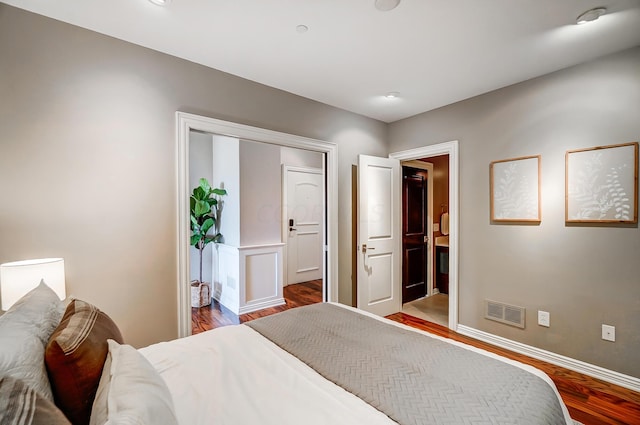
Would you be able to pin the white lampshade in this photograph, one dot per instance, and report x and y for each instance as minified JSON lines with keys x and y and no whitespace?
{"x":19,"y":277}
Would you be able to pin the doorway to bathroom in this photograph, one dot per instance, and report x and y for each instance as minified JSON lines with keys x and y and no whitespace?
{"x":417,"y":206}
{"x":425,"y":238}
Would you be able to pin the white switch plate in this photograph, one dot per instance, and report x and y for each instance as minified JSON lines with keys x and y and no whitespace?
{"x":609,"y":333}
{"x":436,"y":227}
{"x":544,"y":318}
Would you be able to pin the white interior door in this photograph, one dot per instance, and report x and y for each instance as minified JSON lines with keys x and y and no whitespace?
{"x":379,"y":239}
{"x":304,"y":218}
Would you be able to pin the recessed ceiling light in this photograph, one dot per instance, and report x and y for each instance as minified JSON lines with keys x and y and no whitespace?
{"x":590,"y":15}
{"x":302,"y":28}
{"x":392,"y":95}
{"x":386,"y":5}
{"x":160,"y":2}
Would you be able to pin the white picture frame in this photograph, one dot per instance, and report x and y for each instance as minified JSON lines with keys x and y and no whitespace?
{"x":515,"y":190}
{"x":601,"y":184}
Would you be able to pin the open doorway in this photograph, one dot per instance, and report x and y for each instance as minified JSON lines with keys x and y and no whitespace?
{"x":187,"y":125}
{"x":258,"y":253}
{"x":417,"y":223}
{"x":425,"y":239}
{"x":448,"y":152}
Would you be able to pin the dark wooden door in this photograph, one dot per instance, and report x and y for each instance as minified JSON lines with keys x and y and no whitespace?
{"x":414,"y":233}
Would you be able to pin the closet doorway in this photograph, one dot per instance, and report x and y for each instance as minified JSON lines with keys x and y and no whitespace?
{"x":187,"y":124}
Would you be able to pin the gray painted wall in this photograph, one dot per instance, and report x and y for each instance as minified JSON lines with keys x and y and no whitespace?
{"x":88,"y":160}
{"x":226,"y":175}
{"x":584,"y":276}
{"x":260,"y":194}
{"x":200,"y":166}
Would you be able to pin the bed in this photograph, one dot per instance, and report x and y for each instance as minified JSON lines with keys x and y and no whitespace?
{"x":319,"y":364}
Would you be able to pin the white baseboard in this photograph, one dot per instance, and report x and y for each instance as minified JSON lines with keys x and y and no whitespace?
{"x":255,"y":306}
{"x":598,"y":372}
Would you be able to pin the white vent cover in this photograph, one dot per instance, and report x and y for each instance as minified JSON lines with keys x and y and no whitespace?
{"x":504,"y":313}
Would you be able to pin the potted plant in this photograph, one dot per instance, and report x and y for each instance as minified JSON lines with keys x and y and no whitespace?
{"x":205,"y":208}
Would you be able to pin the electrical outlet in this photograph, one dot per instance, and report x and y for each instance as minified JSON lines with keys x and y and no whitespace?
{"x":609,"y":333}
{"x":544,"y":318}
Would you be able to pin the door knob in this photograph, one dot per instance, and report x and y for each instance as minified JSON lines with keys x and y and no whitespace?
{"x":364,"y":248}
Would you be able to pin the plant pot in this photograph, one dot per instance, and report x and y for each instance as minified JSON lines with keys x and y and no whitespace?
{"x":200,"y":294}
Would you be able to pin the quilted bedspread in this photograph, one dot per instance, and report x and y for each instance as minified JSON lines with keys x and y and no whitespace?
{"x":411,"y":377}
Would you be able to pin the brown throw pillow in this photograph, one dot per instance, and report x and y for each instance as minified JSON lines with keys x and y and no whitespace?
{"x":75,"y":356}
{"x":20,"y":404}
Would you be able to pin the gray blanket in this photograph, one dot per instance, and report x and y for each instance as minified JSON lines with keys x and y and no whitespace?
{"x":412,"y":378}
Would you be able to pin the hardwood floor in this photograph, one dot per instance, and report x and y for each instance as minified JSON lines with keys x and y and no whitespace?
{"x":590,"y":401}
{"x":217,"y":315}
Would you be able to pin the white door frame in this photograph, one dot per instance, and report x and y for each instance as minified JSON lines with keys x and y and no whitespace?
{"x":451,"y":149}
{"x":429,"y":168}
{"x":186,"y":122}
{"x":285,"y":215}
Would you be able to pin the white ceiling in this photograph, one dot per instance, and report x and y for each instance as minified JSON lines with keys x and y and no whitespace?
{"x":433,"y":52}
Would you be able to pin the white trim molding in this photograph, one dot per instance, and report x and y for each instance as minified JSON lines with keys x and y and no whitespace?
{"x":185,"y":123}
{"x":598,"y":372}
{"x":451,"y":149}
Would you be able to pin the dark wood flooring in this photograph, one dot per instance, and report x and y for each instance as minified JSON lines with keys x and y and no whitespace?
{"x":590,"y":401}
{"x":217,"y":315}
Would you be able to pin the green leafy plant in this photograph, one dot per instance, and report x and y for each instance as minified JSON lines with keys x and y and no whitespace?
{"x":205,"y":203}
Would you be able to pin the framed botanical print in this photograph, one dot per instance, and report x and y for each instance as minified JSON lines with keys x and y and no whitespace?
{"x":601,"y":184}
{"x":515,"y":190}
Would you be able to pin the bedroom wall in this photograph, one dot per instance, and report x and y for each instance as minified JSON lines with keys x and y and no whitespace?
{"x":300,"y":157}
{"x":260,"y":194}
{"x":584,"y":276}
{"x":200,"y":166}
{"x":88,"y":160}
{"x":226,"y":175}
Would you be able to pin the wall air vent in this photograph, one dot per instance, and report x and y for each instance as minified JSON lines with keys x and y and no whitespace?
{"x":504,"y":313}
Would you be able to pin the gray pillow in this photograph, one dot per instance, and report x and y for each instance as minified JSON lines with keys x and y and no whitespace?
{"x":22,"y":405}
{"x":24,"y":331}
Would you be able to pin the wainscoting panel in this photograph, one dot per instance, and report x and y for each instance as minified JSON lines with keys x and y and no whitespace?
{"x":248,"y":278}
{"x":261,"y":272}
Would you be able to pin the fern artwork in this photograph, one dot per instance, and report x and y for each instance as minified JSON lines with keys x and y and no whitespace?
{"x":515,"y":190}
{"x":601,"y":184}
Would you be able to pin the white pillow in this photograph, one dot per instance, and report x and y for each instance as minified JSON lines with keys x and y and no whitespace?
{"x":134,"y":391}
{"x":24,"y":331}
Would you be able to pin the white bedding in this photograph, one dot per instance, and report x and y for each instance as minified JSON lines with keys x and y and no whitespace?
{"x":233,"y":375}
